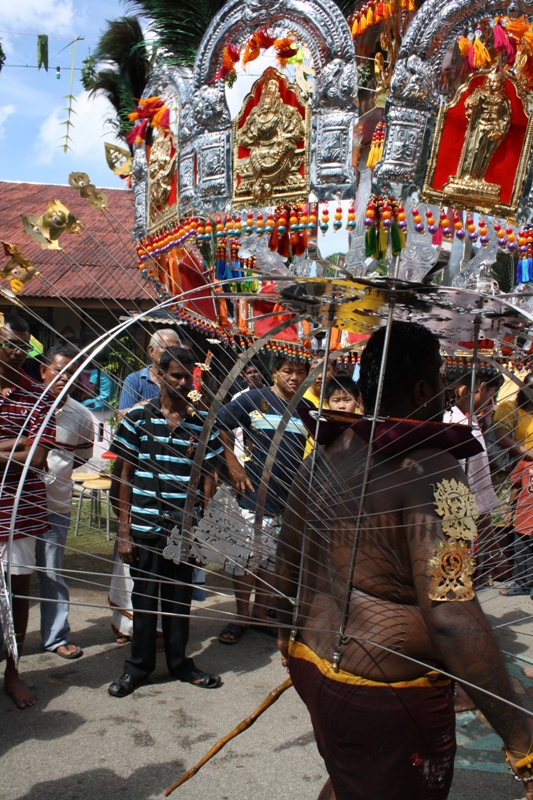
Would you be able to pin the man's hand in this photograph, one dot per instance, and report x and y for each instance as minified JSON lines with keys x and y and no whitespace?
{"x":239,"y":478}
{"x":283,"y":647}
{"x":126,"y":546}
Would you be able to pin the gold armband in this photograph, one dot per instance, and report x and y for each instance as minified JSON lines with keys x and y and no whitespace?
{"x":452,"y":562}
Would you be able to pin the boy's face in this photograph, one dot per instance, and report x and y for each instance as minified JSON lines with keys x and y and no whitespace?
{"x":342,"y":401}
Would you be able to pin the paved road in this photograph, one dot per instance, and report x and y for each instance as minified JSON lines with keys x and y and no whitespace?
{"x":77,"y":743}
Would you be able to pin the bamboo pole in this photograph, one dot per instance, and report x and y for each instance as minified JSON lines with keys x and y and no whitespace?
{"x":269,"y":700}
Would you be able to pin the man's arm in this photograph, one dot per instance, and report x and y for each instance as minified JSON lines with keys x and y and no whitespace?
{"x":125,"y":547}
{"x":236,"y":471}
{"x":506,"y":441}
{"x":459,"y":629}
{"x":17,"y":459}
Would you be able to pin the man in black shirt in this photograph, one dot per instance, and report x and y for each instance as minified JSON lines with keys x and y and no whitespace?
{"x":157,"y":443}
{"x":259,"y":414}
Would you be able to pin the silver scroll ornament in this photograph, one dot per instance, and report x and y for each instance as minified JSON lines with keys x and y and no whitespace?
{"x":356,"y":261}
{"x":419,"y":255}
{"x":470,"y":276}
{"x":223,"y":536}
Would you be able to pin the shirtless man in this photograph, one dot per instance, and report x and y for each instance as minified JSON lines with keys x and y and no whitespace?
{"x":384,"y":720}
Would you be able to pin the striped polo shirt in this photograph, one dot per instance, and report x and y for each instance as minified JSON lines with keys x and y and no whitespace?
{"x":174,"y":452}
{"x":23,"y":404}
{"x":259,"y":413}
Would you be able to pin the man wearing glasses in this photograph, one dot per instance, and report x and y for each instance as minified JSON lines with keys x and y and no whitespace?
{"x":22,"y":411}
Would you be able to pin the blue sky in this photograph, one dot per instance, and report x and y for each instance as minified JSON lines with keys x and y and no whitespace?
{"x":32,"y":101}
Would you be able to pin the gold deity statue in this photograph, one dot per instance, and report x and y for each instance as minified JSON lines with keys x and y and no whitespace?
{"x":488,"y":111}
{"x":161,"y":171}
{"x":275,"y":134}
{"x":488,"y":114}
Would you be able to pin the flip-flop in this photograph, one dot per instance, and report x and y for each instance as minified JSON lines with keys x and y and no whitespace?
{"x":513,"y":591}
{"x":69,"y":656}
{"x":231,"y":629}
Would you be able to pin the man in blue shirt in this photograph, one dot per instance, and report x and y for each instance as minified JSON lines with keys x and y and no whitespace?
{"x":143,"y":385}
{"x":259,"y":413}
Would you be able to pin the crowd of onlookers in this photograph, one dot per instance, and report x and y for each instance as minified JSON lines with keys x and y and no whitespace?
{"x":46,"y":434}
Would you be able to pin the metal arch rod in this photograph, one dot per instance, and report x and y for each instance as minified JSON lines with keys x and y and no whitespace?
{"x":216,"y":403}
{"x":90,"y":350}
{"x":358,"y":521}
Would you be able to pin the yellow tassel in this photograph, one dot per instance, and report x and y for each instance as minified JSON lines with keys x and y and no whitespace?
{"x":481,"y":54}
{"x":362,"y":25}
{"x":389,"y":8}
{"x":369,"y":17}
{"x":371,"y":160}
{"x":464,"y":46}
{"x":355,"y":28}
{"x":411,"y":6}
{"x":379,"y":151}
{"x":401,"y":235}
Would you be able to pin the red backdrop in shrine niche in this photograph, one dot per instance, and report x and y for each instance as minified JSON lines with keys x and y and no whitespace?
{"x":504,"y":163}
{"x":288,"y":97}
{"x":263,"y":326}
{"x":186,"y":275}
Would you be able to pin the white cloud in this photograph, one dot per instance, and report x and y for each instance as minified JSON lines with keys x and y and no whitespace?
{"x":56,"y":18}
{"x":88,"y":132}
{"x":5,"y":112}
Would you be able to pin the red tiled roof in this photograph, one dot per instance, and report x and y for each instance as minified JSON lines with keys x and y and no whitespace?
{"x":98,"y":263}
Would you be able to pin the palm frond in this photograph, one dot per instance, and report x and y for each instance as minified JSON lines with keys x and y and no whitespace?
{"x":346,"y":6}
{"x":179,"y":25}
{"x":123,"y":44}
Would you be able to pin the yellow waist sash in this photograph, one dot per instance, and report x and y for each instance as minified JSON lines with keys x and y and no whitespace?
{"x":300,"y":650}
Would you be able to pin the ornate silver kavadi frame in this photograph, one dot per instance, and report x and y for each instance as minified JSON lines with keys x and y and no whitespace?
{"x":414,"y":96}
{"x":204,"y":131}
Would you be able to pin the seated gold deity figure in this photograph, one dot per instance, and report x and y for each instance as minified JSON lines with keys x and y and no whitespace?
{"x":161,"y":170}
{"x":274,"y":133}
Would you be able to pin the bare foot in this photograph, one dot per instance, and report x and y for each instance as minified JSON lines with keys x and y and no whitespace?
{"x":461,"y":701}
{"x":20,"y":694}
{"x":69,"y":651}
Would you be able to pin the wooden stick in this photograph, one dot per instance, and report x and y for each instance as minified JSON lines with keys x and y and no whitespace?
{"x":242,"y":726}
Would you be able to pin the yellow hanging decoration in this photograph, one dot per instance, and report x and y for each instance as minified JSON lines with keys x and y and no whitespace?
{"x":464,"y":46}
{"x":355,"y":27}
{"x":481,"y":54}
{"x":369,"y":17}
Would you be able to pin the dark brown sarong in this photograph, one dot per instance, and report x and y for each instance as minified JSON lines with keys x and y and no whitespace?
{"x":380,"y":741}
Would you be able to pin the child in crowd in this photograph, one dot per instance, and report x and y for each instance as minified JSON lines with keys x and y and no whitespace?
{"x":342,"y":394}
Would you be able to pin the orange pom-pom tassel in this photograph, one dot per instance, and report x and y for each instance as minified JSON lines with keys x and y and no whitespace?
{"x":464,"y":46}
{"x":481,"y":54}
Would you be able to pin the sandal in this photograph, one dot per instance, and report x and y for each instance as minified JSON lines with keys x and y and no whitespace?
{"x":232,"y":630}
{"x":513,"y":590}
{"x":204,"y":680}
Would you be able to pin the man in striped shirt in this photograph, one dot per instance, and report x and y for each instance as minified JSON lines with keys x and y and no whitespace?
{"x":23,"y":414}
{"x":156,"y":444}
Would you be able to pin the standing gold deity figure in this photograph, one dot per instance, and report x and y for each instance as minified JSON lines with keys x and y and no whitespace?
{"x":273,"y":137}
{"x":488,"y":111}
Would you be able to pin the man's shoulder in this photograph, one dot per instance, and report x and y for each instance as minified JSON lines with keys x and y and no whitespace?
{"x":78,"y":409}
{"x":137,"y":376}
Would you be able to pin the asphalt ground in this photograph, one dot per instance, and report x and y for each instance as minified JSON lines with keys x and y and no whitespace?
{"x":78,"y":743}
